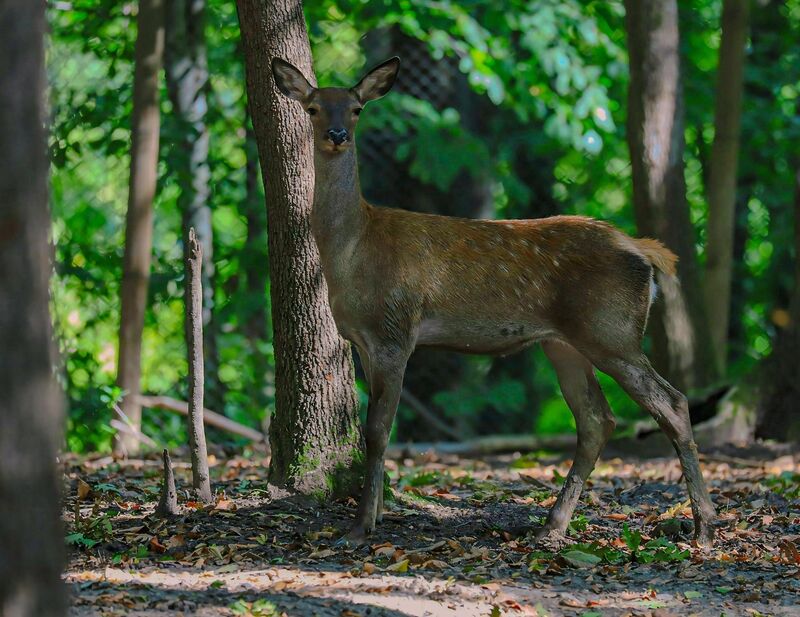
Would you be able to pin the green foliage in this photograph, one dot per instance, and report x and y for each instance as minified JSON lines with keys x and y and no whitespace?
{"x":550,"y":80}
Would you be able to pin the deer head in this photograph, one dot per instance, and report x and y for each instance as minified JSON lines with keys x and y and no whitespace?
{"x":334,"y":111}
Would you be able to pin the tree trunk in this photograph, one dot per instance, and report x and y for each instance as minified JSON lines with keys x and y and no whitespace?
{"x":194,"y":351}
{"x":186,"y":70}
{"x":315,"y":432}
{"x":722,"y":180}
{"x":656,"y":142}
{"x":139,"y":220}
{"x":31,"y":537}
{"x":779,"y":409}
{"x":256,"y":272}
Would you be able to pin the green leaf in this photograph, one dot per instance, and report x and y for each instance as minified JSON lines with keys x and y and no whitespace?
{"x":580,"y":559}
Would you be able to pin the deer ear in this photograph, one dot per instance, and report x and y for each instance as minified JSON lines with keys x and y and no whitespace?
{"x":290,"y":80}
{"x":378,"y":81}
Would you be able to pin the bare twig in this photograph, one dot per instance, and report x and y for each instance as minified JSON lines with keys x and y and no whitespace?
{"x":168,"y":504}
{"x":125,"y":425}
{"x":194,"y":345}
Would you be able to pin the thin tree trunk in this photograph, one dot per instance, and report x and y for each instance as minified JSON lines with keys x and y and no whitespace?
{"x":139,"y":220}
{"x":779,"y":409}
{"x":722,"y":180}
{"x":656,"y":142}
{"x":186,"y":70}
{"x":31,"y":538}
{"x":315,"y":434}
{"x":194,"y":348}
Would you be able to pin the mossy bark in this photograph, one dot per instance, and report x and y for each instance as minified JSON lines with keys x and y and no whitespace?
{"x":315,"y":430}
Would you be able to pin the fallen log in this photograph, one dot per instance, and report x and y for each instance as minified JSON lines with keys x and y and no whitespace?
{"x":491,"y":444}
{"x":210,"y":418}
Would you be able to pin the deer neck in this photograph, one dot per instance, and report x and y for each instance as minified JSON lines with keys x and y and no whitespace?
{"x":338,"y":213}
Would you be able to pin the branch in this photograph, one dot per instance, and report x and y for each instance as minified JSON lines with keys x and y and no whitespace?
{"x":210,"y":418}
{"x":492,"y":444}
{"x":418,"y":406}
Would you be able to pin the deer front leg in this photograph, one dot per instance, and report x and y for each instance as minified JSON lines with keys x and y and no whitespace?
{"x":387,"y":368}
{"x":594,"y":423}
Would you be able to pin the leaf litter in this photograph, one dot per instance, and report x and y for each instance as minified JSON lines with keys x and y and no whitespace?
{"x":449,"y":543}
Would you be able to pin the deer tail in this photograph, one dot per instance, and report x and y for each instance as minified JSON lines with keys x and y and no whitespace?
{"x":657,"y":254}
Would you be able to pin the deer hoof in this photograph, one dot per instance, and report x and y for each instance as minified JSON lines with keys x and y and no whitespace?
{"x":355,"y":538}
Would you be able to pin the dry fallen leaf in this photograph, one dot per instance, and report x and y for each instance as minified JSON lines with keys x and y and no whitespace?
{"x":84,"y":490}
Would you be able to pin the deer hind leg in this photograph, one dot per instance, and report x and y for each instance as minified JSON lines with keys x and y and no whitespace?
{"x":671,"y":410}
{"x":386,"y":370}
{"x":594,"y":423}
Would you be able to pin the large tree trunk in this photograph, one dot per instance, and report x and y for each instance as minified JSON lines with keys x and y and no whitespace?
{"x":187,"y":80}
{"x":656,"y":142}
{"x":779,"y":409}
{"x":315,"y":431}
{"x":139,"y":221}
{"x":31,"y":538}
{"x":254,"y":265}
{"x":722,"y":180}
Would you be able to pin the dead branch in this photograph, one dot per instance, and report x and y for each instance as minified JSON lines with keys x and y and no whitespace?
{"x":168,"y":504}
{"x":194,"y":346}
{"x":492,"y":444}
{"x":210,"y":418}
{"x":419,"y":407}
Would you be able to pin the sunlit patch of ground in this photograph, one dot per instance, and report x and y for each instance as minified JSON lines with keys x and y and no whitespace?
{"x":447,"y":544}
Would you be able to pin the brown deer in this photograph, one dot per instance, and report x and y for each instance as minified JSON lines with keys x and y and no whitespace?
{"x":398,"y":280}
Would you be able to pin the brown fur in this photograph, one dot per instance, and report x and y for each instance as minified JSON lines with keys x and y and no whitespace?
{"x":658,"y":255}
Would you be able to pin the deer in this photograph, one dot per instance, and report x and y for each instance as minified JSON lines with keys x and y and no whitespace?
{"x":398,"y":280}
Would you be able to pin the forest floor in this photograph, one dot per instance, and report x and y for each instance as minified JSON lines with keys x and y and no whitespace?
{"x":446,"y":545}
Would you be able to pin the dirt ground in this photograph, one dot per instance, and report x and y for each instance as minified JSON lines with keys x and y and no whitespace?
{"x":448,"y":544}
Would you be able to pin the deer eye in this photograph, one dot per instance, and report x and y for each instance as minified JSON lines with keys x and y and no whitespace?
{"x":357,"y":111}
{"x":312,"y":111}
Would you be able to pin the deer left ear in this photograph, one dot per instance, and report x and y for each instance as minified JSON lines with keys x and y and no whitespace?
{"x":290,"y":81}
{"x":378,"y":81}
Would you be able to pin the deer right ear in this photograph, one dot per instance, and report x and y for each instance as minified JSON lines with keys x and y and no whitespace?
{"x":290,"y":80}
{"x":378,"y":81}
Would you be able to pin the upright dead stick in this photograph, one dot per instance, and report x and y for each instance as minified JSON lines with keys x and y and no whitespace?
{"x":168,"y":504}
{"x":194,"y":347}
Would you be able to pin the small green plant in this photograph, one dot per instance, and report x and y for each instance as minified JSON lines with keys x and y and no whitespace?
{"x":259,"y":608}
{"x":578,"y":524}
{"x":91,"y":531}
{"x":786,"y":484}
{"x":657,"y":550}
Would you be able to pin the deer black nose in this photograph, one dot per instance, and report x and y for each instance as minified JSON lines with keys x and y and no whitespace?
{"x":337,"y":136}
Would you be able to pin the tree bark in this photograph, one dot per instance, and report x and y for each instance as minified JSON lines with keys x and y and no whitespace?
{"x":168,"y":502}
{"x":31,"y":538}
{"x":194,"y":349}
{"x":656,"y":141}
{"x":139,"y":220}
{"x":722,"y":179}
{"x":186,"y":70}
{"x":315,"y":434}
{"x":256,"y":271}
{"x":779,"y":408}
